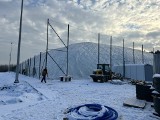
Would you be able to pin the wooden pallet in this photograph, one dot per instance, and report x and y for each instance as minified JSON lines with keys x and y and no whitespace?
{"x":133,"y":102}
{"x":65,"y":119}
{"x":65,"y":78}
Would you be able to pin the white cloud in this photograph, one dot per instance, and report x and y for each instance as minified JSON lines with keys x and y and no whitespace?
{"x":134,"y":20}
{"x":5,"y":0}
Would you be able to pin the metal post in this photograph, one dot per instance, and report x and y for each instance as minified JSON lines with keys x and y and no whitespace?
{"x":33,"y":69}
{"x":133,"y":54}
{"x":123,"y":61}
{"x":10,"y":56}
{"x":40,"y":65}
{"x":153,"y":62}
{"x":34,"y":62}
{"x":111,"y":52}
{"x":22,"y":67}
{"x":98,"y":46}
{"x":142,"y":55}
{"x":30,"y":62}
{"x":19,"y":44}
{"x":47,"y":43}
{"x":67,"y":49}
{"x":25,"y":67}
{"x":28,"y":67}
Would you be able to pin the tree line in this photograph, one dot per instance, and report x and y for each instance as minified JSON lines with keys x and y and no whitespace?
{"x":5,"y":68}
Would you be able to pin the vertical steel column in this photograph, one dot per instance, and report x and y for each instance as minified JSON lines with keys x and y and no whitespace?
{"x":34,"y":69}
{"x":30,"y":63}
{"x":67,"y":49}
{"x":98,"y":46}
{"x":19,"y":44}
{"x":123,"y":61}
{"x":142,"y":55}
{"x":10,"y":56}
{"x":153,"y":61}
{"x":28,"y":67}
{"x":22,"y":67}
{"x":34,"y":62}
{"x":111,"y":52}
{"x":40,"y":65}
{"x":47,"y":44}
{"x":133,"y":54}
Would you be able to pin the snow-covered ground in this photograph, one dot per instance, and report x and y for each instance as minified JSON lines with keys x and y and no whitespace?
{"x":32,"y":100}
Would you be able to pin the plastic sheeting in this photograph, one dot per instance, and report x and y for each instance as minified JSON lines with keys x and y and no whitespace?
{"x":136,"y":71}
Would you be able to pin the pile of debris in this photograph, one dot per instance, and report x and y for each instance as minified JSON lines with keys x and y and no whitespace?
{"x":149,"y":92}
{"x":134,"y":82}
{"x":156,"y":94}
{"x":144,"y":91}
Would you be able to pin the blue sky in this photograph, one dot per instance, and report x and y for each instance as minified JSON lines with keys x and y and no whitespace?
{"x":133,"y":20}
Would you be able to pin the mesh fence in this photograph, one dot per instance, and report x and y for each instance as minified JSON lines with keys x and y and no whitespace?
{"x":83,"y":51}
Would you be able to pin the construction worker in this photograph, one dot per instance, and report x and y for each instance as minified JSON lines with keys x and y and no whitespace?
{"x":44,"y":73}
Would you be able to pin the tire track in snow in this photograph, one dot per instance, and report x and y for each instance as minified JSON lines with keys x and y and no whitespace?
{"x":46,"y":92}
{"x":40,"y":93}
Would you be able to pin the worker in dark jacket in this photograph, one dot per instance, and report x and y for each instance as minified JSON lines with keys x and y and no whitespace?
{"x":44,"y":73}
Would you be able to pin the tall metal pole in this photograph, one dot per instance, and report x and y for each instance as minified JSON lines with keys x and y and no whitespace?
{"x":111,"y":52}
{"x":19,"y":44}
{"x":34,"y":62}
{"x":98,"y":46}
{"x":67,"y":49}
{"x":47,"y":44}
{"x":30,"y":62}
{"x":39,"y":65}
{"x":142,"y":55}
{"x":22,"y":68}
{"x":123,"y":61}
{"x":133,"y":54}
{"x":153,"y":62}
{"x":28,"y":67}
{"x":10,"y":56}
{"x":25,"y":67}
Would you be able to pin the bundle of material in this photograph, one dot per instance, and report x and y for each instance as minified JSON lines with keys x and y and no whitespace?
{"x":156,"y":93}
{"x":92,"y":112}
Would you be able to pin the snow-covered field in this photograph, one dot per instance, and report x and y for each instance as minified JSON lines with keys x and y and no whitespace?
{"x":32,"y":100}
